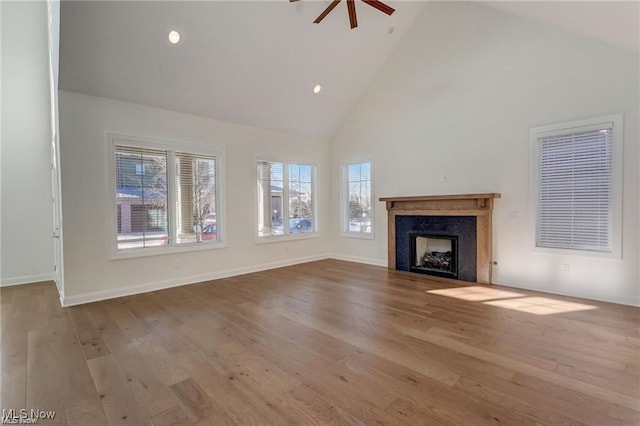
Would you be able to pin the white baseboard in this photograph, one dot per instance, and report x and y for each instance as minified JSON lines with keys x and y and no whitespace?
{"x":143,"y":288}
{"x":358,"y":259}
{"x":619,"y":301}
{"x":176,"y":282}
{"x":27,"y":279}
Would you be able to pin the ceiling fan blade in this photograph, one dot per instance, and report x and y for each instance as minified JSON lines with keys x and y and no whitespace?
{"x":351,"y":6}
{"x":291,"y":1}
{"x":380,"y":6}
{"x":329,"y":8}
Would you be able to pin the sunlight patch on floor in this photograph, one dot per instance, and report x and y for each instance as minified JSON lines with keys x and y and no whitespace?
{"x":512,"y":300}
{"x":540,"y":305}
{"x":475,"y":293}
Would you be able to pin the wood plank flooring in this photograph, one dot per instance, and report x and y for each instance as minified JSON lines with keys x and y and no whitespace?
{"x":326,"y":342}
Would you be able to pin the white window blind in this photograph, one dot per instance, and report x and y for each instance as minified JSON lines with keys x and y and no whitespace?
{"x":164,"y":196}
{"x":141,"y":197}
{"x":357,"y":202}
{"x":285,"y":198}
{"x":196,"y":218}
{"x":575,"y":183}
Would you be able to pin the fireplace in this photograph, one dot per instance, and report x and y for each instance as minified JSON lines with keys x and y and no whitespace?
{"x":434,"y":255}
{"x":465,"y":216}
{"x":440,"y":234}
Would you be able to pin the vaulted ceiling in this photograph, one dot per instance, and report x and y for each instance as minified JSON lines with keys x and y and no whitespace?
{"x":256,"y":62}
{"x":249,"y":62}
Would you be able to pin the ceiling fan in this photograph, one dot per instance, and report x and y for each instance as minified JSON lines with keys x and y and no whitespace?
{"x":351,"y":7}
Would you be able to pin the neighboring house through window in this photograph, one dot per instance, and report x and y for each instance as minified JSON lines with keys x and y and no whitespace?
{"x":286,"y":203}
{"x":166,"y":195}
{"x":577,"y":185}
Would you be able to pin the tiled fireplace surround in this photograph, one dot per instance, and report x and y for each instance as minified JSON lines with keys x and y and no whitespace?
{"x":468,"y":216}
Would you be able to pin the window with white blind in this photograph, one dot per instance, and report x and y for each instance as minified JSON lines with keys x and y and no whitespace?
{"x":577,"y":185}
{"x":357,"y":199}
{"x":286,"y":199}
{"x":141,"y":197}
{"x":195,"y":198}
{"x":166,"y":195}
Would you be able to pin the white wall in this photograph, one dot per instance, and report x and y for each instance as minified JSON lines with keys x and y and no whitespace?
{"x":26,"y":213}
{"x":86,"y":191}
{"x":457,"y":98}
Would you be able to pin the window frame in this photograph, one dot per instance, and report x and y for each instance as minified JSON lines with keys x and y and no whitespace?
{"x":344,"y":202}
{"x":171,"y":147}
{"x":616,"y":121}
{"x":286,"y":236}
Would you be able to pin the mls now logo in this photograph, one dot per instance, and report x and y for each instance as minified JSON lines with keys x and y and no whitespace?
{"x":24,"y":416}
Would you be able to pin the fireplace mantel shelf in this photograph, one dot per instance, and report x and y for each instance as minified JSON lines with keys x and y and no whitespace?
{"x":443,"y":197}
{"x":448,"y":204}
{"x":478,"y":205}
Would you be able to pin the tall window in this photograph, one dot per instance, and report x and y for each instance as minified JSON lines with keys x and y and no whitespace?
{"x":141,"y":197}
{"x":286,"y":202}
{"x":164,"y":197}
{"x":196,"y":213}
{"x":576,"y":193}
{"x":358,"y":213}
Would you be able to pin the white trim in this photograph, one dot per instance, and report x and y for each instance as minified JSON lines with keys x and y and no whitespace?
{"x":358,"y":235}
{"x":300,"y":160}
{"x":344,"y":232}
{"x":28,"y":279}
{"x":358,"y":259}
{"x":53,"y":35}
{"x":586,"y":125}
{"x":160,"y":285}
{"x":171,"y":147}
{"x":596,"y":298}
{"x":166,"y":249}
{"x":128,"y":291}
{"x":150,"y":142}
{"x":614,"y":121}
{"x":286,"y":235}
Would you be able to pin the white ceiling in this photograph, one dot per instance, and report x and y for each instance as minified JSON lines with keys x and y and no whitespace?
{"x":615,"y":22}
{"x":253,"y":63}
{"x":256,"y":62}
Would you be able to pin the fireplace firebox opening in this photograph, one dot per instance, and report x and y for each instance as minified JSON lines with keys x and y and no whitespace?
{"x":434,"y":255}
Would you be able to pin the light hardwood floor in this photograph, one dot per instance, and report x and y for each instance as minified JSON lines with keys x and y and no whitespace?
{"x":327,"y":342}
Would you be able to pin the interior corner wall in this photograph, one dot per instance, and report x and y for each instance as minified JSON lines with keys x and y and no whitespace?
{"x":26,"y":209}
{"x":91,"y":274}
{"x":457,"y":99}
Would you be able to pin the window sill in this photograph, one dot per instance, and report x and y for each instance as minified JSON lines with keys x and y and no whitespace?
{"x":358,"y":235}
{"x":163,"y":250}
{"x":288,"y":237}
{"x":613,"y":255}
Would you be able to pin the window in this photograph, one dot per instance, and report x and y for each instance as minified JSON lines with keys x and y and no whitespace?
{"x":286,"y":204}
{"x":140,"y":169}
{"x":196,"y":213}
{"x":141,"y":198}
{"x":357,"y":211}
{"x":577,"y":183}
{"x":165,"y":197}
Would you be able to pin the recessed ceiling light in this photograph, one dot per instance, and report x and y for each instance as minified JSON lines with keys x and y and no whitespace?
{"x":317,"y":89}
{"x":174,"y":37}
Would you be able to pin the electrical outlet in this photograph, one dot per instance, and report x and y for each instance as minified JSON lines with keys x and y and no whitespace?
{"x":564,"y":268}
{"x":444,"y":178}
